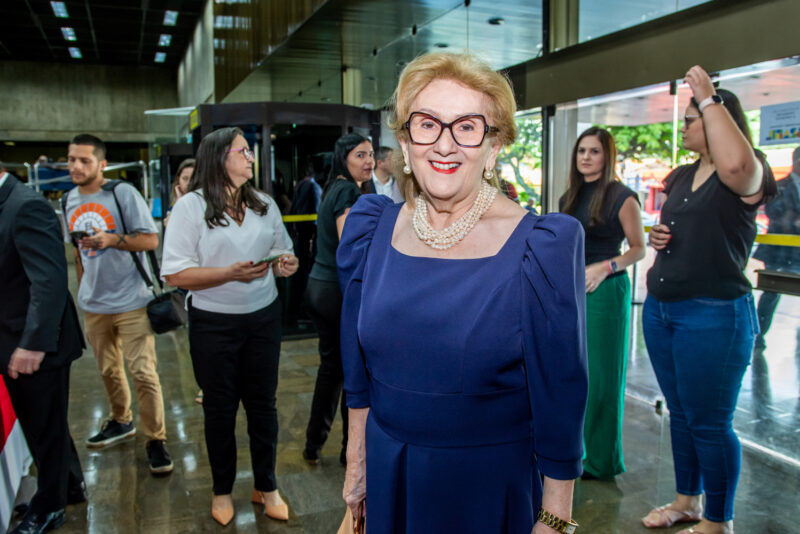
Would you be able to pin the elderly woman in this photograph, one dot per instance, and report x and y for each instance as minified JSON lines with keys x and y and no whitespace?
{"x":463,"y":335}
{"x":226,"y":243}
{"x":699,"y":319}
{"x":609,"y":213}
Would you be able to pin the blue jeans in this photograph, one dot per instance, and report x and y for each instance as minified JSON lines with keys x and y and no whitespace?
{"x":700,"y":350}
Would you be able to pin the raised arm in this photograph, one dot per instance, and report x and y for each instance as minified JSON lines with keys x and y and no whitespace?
{"x":735,"y":161}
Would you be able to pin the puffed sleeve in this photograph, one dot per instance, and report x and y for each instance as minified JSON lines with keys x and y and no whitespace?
{"x":351,"y":260}
{"x":554,"y":342}
{"x":183,"y":235}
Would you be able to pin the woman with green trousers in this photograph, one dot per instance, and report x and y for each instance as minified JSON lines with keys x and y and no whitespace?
{"x":609,"y":213}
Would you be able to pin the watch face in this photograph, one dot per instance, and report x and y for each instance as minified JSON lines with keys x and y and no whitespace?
{"x":717,"y":99}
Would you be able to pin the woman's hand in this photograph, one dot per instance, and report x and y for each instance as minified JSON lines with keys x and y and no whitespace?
{"x":246,"y":271}
{"x":355,"y":486}
{"x":595,"y":274}
{"x":355,"y":478}
{"x":700,"y":83}
{"x":286,"y":265}
{"x":659,"y":236}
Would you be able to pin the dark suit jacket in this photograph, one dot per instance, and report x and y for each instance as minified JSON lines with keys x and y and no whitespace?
{"x":36,"y":309}
{"x":784,"y":218}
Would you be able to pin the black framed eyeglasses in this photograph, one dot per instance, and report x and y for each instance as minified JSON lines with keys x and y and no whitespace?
{"x":468,"y":131}
{"x":246,"y":152}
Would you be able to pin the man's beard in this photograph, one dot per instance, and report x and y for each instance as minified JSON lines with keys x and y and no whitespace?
{"x":85,"y":179}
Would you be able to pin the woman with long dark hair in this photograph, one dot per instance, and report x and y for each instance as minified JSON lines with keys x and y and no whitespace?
{"x":226,"y":244}
{"x":609,"y":213}
{"x":699,"y":319}
{"x":353,"y":160}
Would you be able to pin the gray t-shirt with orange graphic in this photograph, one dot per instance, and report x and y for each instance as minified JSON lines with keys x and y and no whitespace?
{"x":110,"y":283}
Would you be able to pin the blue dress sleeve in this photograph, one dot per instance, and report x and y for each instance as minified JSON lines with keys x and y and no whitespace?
{"x":554,"y":342}
{"x":351,"y":259}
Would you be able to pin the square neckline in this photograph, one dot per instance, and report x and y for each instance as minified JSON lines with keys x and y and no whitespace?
{"x":503,"y":248}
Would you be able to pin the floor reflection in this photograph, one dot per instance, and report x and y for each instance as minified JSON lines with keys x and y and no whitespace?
{"x":125,"y":498}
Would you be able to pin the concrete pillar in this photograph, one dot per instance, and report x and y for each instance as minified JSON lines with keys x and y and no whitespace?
{"x":351,"y":86}
{"x":563,"y":124}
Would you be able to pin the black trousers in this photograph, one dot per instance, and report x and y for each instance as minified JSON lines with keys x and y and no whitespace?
{"x":235,"y":358}
{"x":40,"y":401}
{"x":324,"y":300}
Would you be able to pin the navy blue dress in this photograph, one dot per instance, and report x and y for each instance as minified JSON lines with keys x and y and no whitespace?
{"x":474,"y":371}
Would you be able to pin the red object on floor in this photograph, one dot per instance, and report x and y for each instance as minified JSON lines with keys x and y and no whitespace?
{"x":7,"y":415}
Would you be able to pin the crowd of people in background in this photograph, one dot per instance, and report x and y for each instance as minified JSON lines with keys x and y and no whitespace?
{"x":507,"y":340}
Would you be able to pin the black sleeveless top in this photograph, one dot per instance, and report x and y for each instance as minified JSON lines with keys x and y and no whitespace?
{"x":712,"y":233}
{"x":603,"y":240}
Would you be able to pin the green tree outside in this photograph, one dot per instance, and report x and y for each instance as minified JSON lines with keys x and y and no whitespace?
{"x":525,"y":151}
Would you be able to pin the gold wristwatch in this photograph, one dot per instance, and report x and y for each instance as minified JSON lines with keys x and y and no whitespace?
{"x":565,"y":527}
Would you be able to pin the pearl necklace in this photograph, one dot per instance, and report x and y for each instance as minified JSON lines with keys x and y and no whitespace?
{"x":453,"y":234}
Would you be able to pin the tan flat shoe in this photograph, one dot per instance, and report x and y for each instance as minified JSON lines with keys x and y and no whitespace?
{"x":222,"y":509}
{"x":664,"y":516}
{"x":275,"y":511}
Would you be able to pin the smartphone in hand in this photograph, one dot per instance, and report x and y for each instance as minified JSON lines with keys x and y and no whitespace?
{"x":77,"y":235}
{"x":268,"y":259}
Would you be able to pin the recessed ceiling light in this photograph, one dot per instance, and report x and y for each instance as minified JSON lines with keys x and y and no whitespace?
{"x":161,"y":57}
{"x":69,"y":34}
{"x":170,"y":18}
{"x":496,"y":21}
{"x":59,"y":9}
{"x":75,"y":52}
{"x":165,"y":39}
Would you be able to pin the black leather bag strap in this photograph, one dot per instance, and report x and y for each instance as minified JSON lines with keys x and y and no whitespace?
{"x":111,"y":185}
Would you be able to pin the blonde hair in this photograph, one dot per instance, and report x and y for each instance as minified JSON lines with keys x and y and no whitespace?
{"x":465,"y":69}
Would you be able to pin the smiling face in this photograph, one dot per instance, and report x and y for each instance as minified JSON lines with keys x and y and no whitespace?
{"x":238,"y":166}
{"x":692,"y":132}
{"x":590,"y":158}
{"x":360,"y":162}
{"x":444,"y":170}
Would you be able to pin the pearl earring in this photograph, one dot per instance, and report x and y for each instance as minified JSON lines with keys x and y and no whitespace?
{"x":488,"y":174}
{"x":406,"y":169}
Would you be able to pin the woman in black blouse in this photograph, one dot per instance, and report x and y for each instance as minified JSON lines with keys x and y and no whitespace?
{"x":353,"y":161}
{"x":699,"y":319}
{"x":609,"y":213}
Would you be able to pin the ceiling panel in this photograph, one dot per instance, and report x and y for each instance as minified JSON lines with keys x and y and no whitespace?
{"x":377,"y":38}
{"x":107,"y":31}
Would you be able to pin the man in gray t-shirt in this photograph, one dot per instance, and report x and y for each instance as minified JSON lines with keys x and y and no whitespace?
{"x":114,"y":296}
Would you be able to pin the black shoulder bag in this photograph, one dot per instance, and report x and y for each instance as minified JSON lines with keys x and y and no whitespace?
{"x":166,"y":311}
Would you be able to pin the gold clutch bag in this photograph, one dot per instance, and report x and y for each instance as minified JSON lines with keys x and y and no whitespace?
{"x":350,"y":525}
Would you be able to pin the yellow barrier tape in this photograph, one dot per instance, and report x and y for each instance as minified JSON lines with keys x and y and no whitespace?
{"x":299,"y":218}
{"x":781,"y":240}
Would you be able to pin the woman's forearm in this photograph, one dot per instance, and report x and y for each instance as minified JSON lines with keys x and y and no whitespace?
{"x":557,"y":497}
{"x":356,"y":438}
{"x":631,"y":256}
{"x":197,"y":278}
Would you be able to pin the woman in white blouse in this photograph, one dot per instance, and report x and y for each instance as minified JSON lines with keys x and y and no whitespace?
{"x":226,"y":243}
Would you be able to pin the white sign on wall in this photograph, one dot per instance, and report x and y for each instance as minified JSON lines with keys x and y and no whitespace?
{"x":780,"y":124}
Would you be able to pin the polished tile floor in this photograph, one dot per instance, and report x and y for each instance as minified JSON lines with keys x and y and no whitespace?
{"x":125,"y":498}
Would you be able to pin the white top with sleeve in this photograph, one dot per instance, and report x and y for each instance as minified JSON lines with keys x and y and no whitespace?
{"x":189,"y":242}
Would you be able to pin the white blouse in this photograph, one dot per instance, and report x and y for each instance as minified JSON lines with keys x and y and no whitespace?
{"x":189,"y":242}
